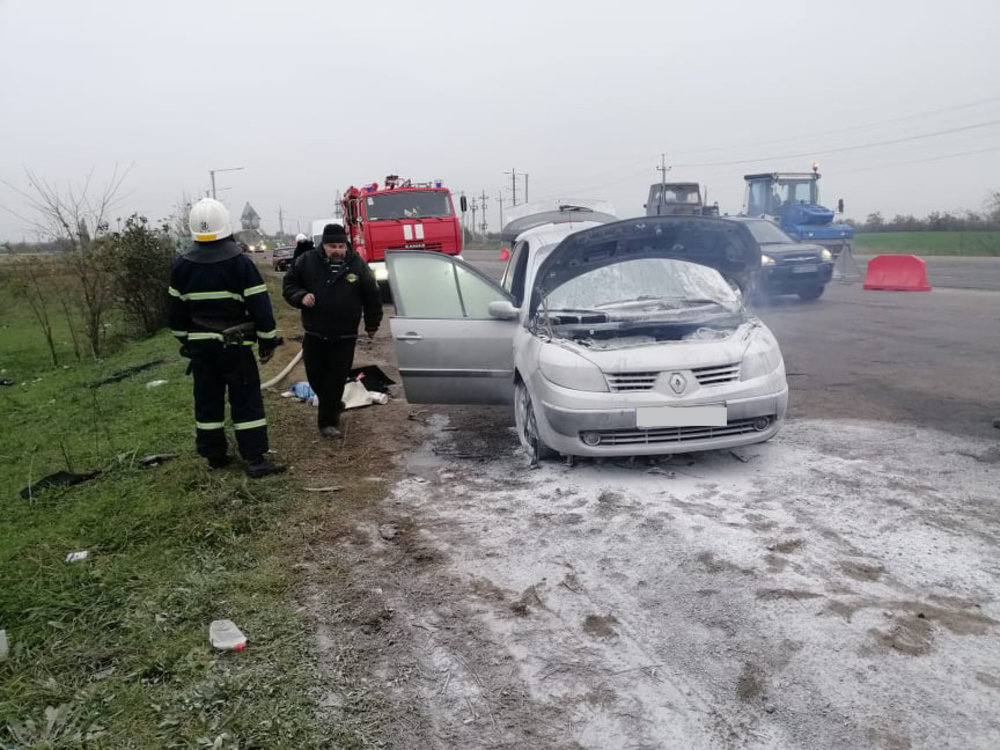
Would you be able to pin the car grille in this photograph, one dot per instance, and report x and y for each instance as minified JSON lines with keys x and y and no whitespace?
{"x":680,"y":434}
{"x":717,"y":375}
{"x":620,"y":382}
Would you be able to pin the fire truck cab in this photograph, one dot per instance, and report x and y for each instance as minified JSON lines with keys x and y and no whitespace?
{"x":400,"y":215}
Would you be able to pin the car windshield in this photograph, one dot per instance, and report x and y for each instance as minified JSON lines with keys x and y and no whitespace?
{"x":644,"y":286}
{"x":409,"y":204}
{"x":767,"y":233}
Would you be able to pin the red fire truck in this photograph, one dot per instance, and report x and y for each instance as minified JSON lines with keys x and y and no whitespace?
{"x":401,"y":215}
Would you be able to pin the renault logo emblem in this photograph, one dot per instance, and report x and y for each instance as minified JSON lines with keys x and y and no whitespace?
{"x":677,"y":383}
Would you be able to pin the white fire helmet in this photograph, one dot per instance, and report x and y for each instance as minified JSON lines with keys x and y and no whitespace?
{"x":209,"y":221}
{"x":300,"y":238}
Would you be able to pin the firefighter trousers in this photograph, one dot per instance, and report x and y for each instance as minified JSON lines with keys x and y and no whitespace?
{"x":215,"y":371}
{"x":328,"y":365}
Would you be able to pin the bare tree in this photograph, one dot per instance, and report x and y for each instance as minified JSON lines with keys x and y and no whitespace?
{"x":79,"y":214}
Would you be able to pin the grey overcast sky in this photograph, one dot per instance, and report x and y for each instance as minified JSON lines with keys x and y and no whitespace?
{"x":310,"y":97}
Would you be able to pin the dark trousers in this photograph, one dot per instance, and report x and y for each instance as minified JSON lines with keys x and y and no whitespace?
{"x":234,"y":368}
{"x":328,"y":363}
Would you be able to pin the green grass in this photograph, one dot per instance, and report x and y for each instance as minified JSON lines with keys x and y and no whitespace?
{"x":928,"y":243}
{"x":114,"y":652}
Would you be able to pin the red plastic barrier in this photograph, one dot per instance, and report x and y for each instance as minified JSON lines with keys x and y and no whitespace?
{"x":897,"y":273}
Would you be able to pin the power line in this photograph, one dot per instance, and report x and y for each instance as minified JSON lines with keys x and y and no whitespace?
{"x":847,"y":129}
{"x":809,"y":154}
{"x":919,"y":161}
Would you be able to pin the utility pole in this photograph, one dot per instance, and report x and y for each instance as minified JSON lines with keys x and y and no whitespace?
{"x":525,"y":187}
{"x":211,"y":174}
{"x":475,"y":207}
{"x":662,"y":169}
{"x":482,"y":202}
{"x":513,"y":185}
{"x":281,"y":223}
{"x":500,"y":204}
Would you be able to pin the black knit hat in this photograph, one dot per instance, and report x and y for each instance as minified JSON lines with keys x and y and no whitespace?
{"x":334,"y":234}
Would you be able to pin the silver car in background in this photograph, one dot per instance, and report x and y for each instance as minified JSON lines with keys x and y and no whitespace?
{"x":621,"y":338}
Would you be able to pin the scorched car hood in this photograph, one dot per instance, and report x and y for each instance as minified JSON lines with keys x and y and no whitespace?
{"x":726,"y":246}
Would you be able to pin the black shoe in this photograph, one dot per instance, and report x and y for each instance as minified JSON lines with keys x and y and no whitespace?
{"x":220,"y":462}
{"x":262,"y":467}
{"x":330,"y":432}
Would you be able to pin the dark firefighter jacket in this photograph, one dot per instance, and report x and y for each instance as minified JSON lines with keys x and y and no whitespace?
{"x":215,"y":287}
{"x":342,"y":294}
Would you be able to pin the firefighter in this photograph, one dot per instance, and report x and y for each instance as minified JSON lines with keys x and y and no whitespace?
{"x":218,"y":307}
{"x":302,"y":244}
{"x":334,"y":288}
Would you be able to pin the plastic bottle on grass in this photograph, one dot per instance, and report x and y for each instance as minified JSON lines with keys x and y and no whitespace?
{"x":226,"y":636}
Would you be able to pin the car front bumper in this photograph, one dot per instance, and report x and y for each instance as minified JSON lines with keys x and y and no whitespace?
{"x":785,"y":279}
{"x":755,"y":412}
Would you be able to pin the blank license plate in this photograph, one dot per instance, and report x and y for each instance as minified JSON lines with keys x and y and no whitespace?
{"x":713,"y":415}
{"x":805,"y":269}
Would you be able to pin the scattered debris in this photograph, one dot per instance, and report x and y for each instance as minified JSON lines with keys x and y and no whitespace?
{"x":59,"y":479}
{"x":388,"y":531}
{"x":225,"y":636}
{"x":373,"y":378}
{"x":739,"y":457}
{"x":80,"y":556}
{"x":6,"y":382}
{"x":156,"y":459}
{"x":117,"y":377}
{"x":331,"y":488}
{"x":156,"y":383}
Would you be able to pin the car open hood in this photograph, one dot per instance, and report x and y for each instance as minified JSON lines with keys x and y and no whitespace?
{"x":532,"y":215}
{"x":726,"y":246}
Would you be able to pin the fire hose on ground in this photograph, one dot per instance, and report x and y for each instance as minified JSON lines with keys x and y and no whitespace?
{"x":284,"y":373}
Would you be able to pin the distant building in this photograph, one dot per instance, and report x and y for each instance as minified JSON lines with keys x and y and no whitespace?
{"x":250,"y":219}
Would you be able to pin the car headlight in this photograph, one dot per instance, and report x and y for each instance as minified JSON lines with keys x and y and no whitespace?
{"x":766,"y":260}
{"x":826,"y":254}
{"x":762,"y":357}
{"x":570,"y":370}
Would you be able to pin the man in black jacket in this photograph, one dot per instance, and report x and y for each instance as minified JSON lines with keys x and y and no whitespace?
{"x":302,"y":245}
{"x":218,"y":307}
{"x":334,"y":288}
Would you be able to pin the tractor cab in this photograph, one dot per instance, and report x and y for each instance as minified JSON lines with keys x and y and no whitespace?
{"x":792,"y":200}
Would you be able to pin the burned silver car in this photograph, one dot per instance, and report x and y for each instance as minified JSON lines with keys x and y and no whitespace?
{"x":625,"y":338}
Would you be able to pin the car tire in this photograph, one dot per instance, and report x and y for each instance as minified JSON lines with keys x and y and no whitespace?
{"x":814,"y":293}
{"x":527,"y":426}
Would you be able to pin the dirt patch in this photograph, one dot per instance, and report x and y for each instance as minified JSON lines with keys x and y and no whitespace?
{"x":486,"y":589}
{"x":911,"y":635}
{"x":714,"y":565}
{"x":750,"y":683}
{"x":775,"y":594}
{"x":787,"y":546}
{"x":775,"y":563}
{"x":992,"y":681}
{"x":600,"y":627}
{"x":530,"y":598}
{"x":862,"y":572}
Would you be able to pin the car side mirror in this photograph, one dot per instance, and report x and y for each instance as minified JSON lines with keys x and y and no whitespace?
{"x":503,"y":309}
{"x":505,"y":254}
{"x":840,"y":206}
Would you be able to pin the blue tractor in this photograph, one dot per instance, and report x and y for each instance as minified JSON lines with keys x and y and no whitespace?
{"x":792,"y":200}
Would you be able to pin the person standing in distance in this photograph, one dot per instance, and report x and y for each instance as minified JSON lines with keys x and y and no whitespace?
{"x":302,"y":244}
{"x":218,"y":307}
{"x":334,"y":288}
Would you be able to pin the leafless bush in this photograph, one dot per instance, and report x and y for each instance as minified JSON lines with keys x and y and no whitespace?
{"x":138,"y":260}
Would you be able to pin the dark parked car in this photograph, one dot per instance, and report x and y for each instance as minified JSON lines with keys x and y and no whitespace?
{"x":281,"y":258}
{"x":787,"y":266}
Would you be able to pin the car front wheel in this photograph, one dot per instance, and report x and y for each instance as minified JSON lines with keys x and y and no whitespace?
{"x":808,"y":295}
{"x":527,"y":426}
